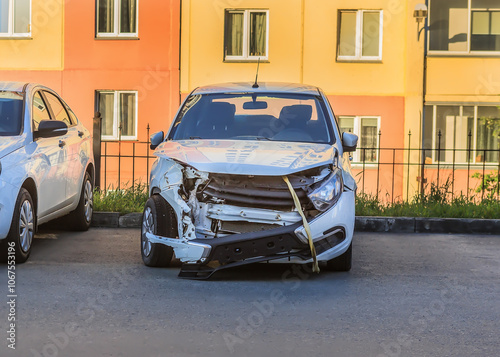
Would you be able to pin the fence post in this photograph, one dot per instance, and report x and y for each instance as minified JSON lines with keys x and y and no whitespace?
{"x":484,"y":172}
{"x":469,"y":142}
{"x":364,"y":167}
{"x":147,"y":158}
{"x":133,"y":166}
{"x":408,"y":174}
{"x":498,"y":172}
{"x":439,"y":156}
{"x":378,"y":161}
{"x":119,"y":153}
{"x":393,"y":171}
{"x":96,"y":146}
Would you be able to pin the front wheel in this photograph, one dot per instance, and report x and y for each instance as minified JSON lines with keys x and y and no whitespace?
{"x":342,"y":262}
{"x":158,"y":218}
{"x":22,"y":229}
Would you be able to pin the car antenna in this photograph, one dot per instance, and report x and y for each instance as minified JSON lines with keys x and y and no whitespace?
{"x":255,"y":85}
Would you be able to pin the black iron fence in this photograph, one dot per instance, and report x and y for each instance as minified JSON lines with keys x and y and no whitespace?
{"x":390,"y":174}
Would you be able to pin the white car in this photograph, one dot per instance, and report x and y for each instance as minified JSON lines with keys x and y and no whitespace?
{"x":251,"y":173}
{"x":46,"y":165}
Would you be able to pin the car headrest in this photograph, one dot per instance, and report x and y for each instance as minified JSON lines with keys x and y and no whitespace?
{"x":221,"y":113}
{"x":298,"y":114}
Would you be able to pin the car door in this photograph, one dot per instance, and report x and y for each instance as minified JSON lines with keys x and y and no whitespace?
{"x":72,"y":142}
{"x":48,"y":160}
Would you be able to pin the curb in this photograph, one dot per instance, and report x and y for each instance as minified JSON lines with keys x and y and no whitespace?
{"x":427,"y":225}
{"x":114,"y":220}
{"x":363,"y":224}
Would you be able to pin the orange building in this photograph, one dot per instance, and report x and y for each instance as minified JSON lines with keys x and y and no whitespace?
{"x":120,"y":58}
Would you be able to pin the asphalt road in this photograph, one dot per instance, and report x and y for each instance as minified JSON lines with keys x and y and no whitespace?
{"x":88,"y":294}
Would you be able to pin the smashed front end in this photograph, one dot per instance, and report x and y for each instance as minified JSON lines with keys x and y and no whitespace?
{"x":226,"y":220}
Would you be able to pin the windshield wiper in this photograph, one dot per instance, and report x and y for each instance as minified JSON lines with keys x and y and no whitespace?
{"x":195,"y":137}
{"x":252,"y":137}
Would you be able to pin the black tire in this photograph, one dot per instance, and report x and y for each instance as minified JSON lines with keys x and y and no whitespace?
{"x":158,"y":218}
{"x":81,"y":217}
{"x":22,"y":228}
{"x":342,"y":262}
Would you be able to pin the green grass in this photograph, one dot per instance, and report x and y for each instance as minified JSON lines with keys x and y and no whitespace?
{"x":123,"y":201}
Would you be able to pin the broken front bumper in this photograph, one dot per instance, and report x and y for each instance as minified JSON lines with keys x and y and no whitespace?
{"x":331,"y":232}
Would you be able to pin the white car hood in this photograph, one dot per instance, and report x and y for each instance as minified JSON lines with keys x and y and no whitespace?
{"x":10,"y":144}
{"x":244,"y":157}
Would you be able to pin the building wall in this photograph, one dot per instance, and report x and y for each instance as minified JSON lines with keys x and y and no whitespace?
{"x":64,"y":55}
{"x":44,"y":50}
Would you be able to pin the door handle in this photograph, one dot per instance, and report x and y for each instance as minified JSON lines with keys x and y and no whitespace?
{"x":62,"y":143}
{"x":80,"y":134}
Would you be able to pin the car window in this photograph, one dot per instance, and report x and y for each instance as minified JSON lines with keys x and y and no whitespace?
{"x":72,"y":115}
{"x":40,"y":111}
{"x":11,"y":113}
{"x":252,"y":116}
{"x":58,"y":109}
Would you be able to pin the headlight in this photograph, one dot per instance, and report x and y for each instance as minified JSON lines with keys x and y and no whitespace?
{"x":328,"y":191}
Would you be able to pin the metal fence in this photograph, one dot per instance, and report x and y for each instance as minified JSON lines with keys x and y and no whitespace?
{"x":399,"y":174}
{"x":124,"y":163}
{"x":389,"y":174}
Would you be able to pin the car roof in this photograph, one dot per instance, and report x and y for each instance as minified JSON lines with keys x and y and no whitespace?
{"x":264,"y":87}
{"x":12,"y":86}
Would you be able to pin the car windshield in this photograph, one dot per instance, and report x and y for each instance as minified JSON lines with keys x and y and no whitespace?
{"x":253,"y":116}
{"x":11,"y":111}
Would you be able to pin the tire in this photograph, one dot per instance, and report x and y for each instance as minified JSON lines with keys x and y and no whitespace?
{"x":22,"y":228}
{"x":342,"y":262}
{"x":158,"y":218}
{"x":81,"y":217}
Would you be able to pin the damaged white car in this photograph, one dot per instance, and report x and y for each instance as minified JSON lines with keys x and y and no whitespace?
{"x":251,"y":173}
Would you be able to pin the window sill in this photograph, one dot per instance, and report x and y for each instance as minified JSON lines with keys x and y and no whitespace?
{"x":113,"y":38}
{"x":465,"y":55}
{"x":377,"y":61}
{"x":245,"y":61}
{"x":16,"y":37}
{"x":116,"y":140}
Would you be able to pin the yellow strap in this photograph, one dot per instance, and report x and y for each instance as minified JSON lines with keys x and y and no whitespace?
{"x":306,"y":224}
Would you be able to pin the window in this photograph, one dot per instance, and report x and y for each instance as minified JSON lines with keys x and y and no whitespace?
{"x":119,"y":114}
{"x":464,"y":26}
{"x":58,"y":109}
{"x":40,"y":111}
{"x":456,"y":128}
{"x":15,"y":18}
{"x":117,"y":18}
{"x":367,"y":129}
{"x":360,"y":35}
{"x":246,"y":34}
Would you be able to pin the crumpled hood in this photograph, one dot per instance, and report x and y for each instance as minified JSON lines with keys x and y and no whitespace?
{"x":244,"y":157}
{"x":9,"y":144}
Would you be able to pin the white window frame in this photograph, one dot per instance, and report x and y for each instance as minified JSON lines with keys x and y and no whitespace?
{"x":246,"y":36}
{"x":356,"y":155}
{"x":10,"y":31}
{"x":474,"y":151}
{"x":359,"y":37}
{"x":116,"y":106}
{"x":116,"y":33}
{"x":469,"y":33}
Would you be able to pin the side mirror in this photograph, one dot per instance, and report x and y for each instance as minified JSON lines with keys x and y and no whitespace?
{"x":349,"y":142}
{"x":156,"y":139}
{"x":50,"y":129}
